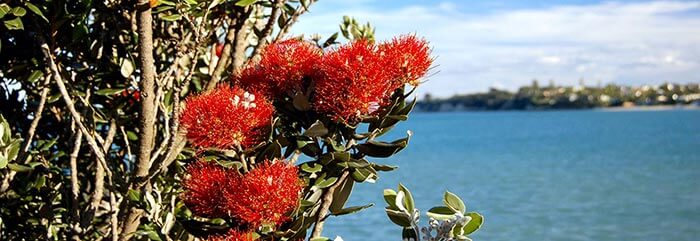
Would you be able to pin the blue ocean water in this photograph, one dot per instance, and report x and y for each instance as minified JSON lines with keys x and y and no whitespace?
{"x":559,"y":175}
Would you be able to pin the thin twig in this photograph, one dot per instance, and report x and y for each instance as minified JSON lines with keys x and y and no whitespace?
{"x":75,"y":187}
{"x":292,"y":20}
{"x":235,"y":34}
{"x":74,"y":113}
{"x":267,"y":30}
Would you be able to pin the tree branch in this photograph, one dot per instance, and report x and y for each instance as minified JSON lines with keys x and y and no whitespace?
{"x":292,"y":20}
{"x":326,"y":201}
{"x":76,"y":230}
{"x":147,"y":114}
{"x":76,"y":116}
{"x":235,"y":37}
{"x":267,"y":30}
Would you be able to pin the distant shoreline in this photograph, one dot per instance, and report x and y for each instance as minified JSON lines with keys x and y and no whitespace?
{"x":649,"y":108}
{"x":604,"y":109}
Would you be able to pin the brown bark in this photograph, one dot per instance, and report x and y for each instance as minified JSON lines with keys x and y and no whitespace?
{"x":147,"y":114}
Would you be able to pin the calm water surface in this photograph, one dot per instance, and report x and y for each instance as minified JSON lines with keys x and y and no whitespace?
{"x":564,"y":175}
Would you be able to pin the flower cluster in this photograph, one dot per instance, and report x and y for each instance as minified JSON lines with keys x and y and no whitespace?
{"x":283,"y":67}
{"x":226,"y":117}
{"x":233,"y":235}
{"x":351,"y":80}
{"x":407,"y":58}
{"x":265,"y":194}
{"x":347,"y":82}
{"x":204,"y":184}
{"x":262,"y":196}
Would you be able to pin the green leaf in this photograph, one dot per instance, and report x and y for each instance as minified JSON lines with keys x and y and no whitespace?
{"x":134,"y":195}
{"x":36,"y":10}
{"x":19,"y":11}
{"x":441,"y":213}
{"x":324,"y":183}
{"x":383,"y":149}
{"x":352,"y":209}
{"x":331,"y":40}
{"x":399,"y":218}
{"x":474,"y":224}
{"x":365,"y":174}
{"x":384,"y":168}
{"x":408,"y":199}
{"x":35,"y":75}
{"x":40,"y":182}
{"x":311,"y":167}
{"x":390,"y":198}
{"x":320,"y":239}
{"x":4,"y":9}
{"x":341,"y":195}
{"x":14,"y":24}
{"x":19,"y":167}
{"x":153,"y":235}
{"x":454,"y":202}
{"x":127,"y":68}
{"x":317,"y":129}
{"x":13,"y":150}
{"x":108,"y":92}
{"x":244,"y":3}
{"x":173,"y":17}
{"x":132,"y":136}
{"x":3,"y":161}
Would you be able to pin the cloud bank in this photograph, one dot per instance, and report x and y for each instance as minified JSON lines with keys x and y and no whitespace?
{"x":611,"y":42}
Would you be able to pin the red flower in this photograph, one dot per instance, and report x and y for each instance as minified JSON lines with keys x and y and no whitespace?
{"x":203,"y":187}
{"x":407,"y":59}
{"x":225,"y":117}
{"x":283,"y":67}
{"x":352,"y":82}
{"x":265,"y":194}
{"x":233,"y":235}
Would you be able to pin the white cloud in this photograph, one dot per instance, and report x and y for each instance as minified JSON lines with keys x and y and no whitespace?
{"x":628,"y":43}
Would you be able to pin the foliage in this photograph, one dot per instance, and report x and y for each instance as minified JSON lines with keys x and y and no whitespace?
{"x":450,"y":222}
{"x":96,"y":90}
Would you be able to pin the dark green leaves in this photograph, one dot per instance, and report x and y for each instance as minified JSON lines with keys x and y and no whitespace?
{"x":350,"y":210}
{"x":317,"y":129}
{"x":9,"y":147}
{"x":383,"y":149}
{"x":36,"y":10}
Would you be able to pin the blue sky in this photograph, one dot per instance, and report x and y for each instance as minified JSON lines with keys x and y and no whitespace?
{"x":507,"y":44}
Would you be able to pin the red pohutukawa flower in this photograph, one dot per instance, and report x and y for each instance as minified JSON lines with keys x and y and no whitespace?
{"x":352,"y":82}
{"x":407,"y":58}
{"x":283,"y":67}
{"x":203,"y":187}
{"x":265,"y":194}
{"x":233,"y":235}
{"x":227,"y":116}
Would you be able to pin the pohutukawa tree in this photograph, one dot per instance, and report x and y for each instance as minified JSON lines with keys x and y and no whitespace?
{"x":176,"y":120}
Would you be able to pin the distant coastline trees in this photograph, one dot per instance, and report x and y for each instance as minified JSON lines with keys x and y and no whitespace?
{"x":535,"y":97}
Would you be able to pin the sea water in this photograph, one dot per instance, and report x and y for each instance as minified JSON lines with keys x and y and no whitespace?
{"x":555,"y":175}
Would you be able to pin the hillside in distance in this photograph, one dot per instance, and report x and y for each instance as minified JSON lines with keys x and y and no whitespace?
{"x":535,"y":97}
